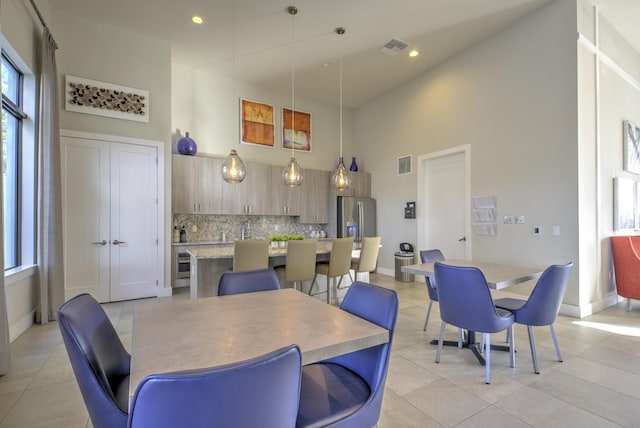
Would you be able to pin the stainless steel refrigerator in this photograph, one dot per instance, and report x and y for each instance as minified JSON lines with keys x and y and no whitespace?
{"x":356,"y":217}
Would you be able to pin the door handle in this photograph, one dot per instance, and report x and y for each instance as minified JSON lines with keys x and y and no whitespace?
{"x":463,"y":239}
{"x":103,"y":242}
{"x":116,"y":242}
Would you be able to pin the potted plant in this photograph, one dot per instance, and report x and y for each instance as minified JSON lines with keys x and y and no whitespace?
{"x":278,"y":240}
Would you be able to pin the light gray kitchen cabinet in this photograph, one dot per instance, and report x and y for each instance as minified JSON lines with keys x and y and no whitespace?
{"x":196,"y":185}
{"x":285,"y":200}
{"x":314,"y":197}
{"x":360,"y":185}
{"x":252,"y":196}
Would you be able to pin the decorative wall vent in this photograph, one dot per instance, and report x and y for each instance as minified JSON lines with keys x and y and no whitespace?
{"x":404,"y":165}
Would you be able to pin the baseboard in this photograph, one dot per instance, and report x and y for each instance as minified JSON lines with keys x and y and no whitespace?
{"x":589,"y":308}
{"x":385,"y":271}
{"x":165,"y":291}
{"x":21,"y":326}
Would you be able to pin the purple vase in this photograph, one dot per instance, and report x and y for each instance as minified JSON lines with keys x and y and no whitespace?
{"x":354,"y":165}
{"x":186,"y":146}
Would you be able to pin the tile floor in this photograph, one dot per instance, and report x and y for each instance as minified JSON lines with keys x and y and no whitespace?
{"x":597,"y":385}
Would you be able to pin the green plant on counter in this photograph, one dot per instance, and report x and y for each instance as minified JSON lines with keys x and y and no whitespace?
{"x":278,"y":238}
{"x":295,"y":237}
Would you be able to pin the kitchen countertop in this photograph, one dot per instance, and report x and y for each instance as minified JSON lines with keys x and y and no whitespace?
{"x":222,"y":243}
{"x":224,"y":252}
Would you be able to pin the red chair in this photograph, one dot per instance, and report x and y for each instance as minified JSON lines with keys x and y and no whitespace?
{"x":626,"y":261}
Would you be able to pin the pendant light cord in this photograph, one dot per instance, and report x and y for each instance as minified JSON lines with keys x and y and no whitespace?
{"x":293,"y":11}
{"x":341,"y":92}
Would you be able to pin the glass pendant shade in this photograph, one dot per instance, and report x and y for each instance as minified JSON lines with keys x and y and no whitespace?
{"x":233,"y":170}
{"x":292,"y":173}
{"x":340,"y":178}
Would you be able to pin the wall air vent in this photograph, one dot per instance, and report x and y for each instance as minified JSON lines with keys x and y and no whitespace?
{"x":404,"y":165}
{"x":393,"y":47}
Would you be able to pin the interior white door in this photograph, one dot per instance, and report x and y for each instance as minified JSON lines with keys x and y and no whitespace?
{"x":110,"y":216}
{"x":445,"y":205}
{"x":85,"y":176}
{"x":134,"y":221}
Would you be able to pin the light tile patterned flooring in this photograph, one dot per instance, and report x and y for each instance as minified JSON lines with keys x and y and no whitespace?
{"x":597,"y":385}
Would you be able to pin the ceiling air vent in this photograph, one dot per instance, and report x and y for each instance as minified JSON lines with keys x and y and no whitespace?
{"x":393,"y":47}
{"x":404,"y":165}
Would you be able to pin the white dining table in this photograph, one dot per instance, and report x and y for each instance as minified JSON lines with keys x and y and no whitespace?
{"x":498,"y":276}
{"x":214,"y":331}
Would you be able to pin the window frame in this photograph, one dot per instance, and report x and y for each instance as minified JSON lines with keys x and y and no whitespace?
{"x":26,"y":164}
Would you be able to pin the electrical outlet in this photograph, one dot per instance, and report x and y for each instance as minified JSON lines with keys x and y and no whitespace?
{"x":508,"y":219}
{"x":194,"y":228}
{"x":519,"y":219}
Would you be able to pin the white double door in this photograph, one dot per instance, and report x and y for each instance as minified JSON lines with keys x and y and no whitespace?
{"x":110,"y":212}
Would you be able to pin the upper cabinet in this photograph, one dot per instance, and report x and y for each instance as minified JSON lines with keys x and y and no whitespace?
{"x":285,"y":200}
{"x":252,"y":195}
{"x":196,"y":185}
{"x":314,"y":199}
{"x":360,"y":185}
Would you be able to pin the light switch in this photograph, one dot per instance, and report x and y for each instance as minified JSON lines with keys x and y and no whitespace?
{"x":555,"y":230}
{"x":508,"y":219}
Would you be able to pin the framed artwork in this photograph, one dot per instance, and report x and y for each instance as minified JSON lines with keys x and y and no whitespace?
{"x":105,"y":99}
{"x":257,"y":124}
{"x":631,"y":147}
{"x":624,"y":203}
{"x":302,"y":139}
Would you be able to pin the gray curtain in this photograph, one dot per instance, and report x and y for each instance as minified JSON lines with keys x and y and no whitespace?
{"x":5,"y":350}
{"x":50,"y":293}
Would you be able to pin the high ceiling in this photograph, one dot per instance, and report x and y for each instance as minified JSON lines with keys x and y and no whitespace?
{"x":252,"y":39}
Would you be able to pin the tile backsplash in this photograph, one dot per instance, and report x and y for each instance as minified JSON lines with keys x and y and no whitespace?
{"x":209,"y":228}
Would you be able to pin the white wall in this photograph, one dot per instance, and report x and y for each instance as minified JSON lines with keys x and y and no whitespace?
{"x":511,"y":97}
{"x":206,"y":105}
{"x":609,"y":76}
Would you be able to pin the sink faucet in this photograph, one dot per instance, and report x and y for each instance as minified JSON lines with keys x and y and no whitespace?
{"x":245,"y":230}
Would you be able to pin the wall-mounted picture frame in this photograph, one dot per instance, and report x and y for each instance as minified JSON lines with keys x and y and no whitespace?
{"x":302,"y":123}
{"x":631,"y":147}
{"x":105,"y":99}
{"x":257,"y":123}
{"x":625,"y":212}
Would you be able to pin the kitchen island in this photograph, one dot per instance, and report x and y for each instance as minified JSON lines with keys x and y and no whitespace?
{"x":208,"y":263}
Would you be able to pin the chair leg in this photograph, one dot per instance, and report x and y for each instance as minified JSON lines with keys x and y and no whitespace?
{"x":487,"y":358}
{"x":355,"y":273}
{"x":426,"y":320}
{"x":555,"y":342}
{"x":534,"y":356}
{"x":628,"y":305}
{"x":460,"y":338}
{"x":481,"y":345}
{"x":512,"y":348}
{"x":313,"y":283}
{"x":440,"y":339}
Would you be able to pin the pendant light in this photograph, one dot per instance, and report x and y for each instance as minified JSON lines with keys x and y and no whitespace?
{"x":340,"y":176}
{"x":233,"y":169}
{"x":292,"y":173}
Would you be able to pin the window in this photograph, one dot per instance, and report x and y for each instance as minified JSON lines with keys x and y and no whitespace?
{"x":12,"y":121}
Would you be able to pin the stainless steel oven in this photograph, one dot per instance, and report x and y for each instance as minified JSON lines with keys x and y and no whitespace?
{"x":183,"y":266}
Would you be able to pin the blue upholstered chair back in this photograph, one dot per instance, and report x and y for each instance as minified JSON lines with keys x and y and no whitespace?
{"x":428,"y":256}
{"x":544,"y":302}
{"x":248,"y":281}
{"x":380,"y":306}
{"x":99,"y":360}
{"x":465,"y":299}
{"x":261,"y":392}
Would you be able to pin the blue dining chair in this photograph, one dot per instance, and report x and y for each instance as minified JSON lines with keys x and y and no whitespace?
{"x":427,"y":256}
{"x":465,"y":302}
{"x":100,"y":362}
{"x":261,"y":392}
{"x":542,"y":306}
{"x":248,"y":281}
{"x":346,"y":391}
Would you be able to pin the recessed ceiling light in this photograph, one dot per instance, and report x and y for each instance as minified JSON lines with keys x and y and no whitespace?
{"x":414,"y":53}
{"x":197,"y":20}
